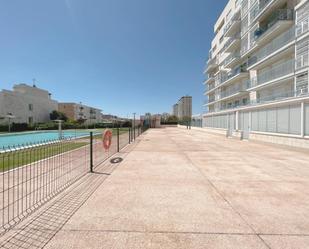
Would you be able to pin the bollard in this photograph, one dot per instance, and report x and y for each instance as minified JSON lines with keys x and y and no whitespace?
{"x":118,"y":147}
{"x":91,"y":152}
{"x":129,"y":135}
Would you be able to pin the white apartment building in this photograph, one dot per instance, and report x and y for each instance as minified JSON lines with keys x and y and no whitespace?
{"x":257,"y":84}
{"x":28,"y":104}
{"x":183,"y":108}
{"x":175,"y":110}
{"x":78,"y":111}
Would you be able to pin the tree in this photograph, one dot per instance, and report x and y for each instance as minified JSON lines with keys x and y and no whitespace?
{"x":172,"y":119}
{"x":56,"y":115}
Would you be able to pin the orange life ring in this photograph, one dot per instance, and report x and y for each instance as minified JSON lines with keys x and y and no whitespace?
{"x":107,"y":139}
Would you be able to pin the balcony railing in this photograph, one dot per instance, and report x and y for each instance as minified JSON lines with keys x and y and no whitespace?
{"x":231,"y":40}
{"x":236,"y":71}
{"x":235,"y":89}
{"x":231,"y":57}
{"x":278,"y":15}
{"x":280,"y":96}
{"x":274,"y":73}
{"x":233,"y":20}
{"x":211,"y":99}
{"x":231,"y":92}
{"x":211,"y":63}
{"x":273,"y":46}
{"x":259,"y":8}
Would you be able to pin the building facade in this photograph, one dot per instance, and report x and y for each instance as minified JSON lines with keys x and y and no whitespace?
{"x":78,"y":111}
{"x":28,"y":104}
{"x":257,"y":71}
{"x":183,"y":108}
{"x":175,"y":110}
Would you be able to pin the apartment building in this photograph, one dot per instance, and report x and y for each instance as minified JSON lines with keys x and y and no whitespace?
{"x":79,"y":111}
{"x":175,"y":110}
{"x":257,"y":71}
{"x":183,"y":108}
{"x":26,"y":104}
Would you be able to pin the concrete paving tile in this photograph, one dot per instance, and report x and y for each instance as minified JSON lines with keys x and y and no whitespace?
{"x":134,"y":240}
{"x":286,"y":242}
{"x":147,"y":207}
{"x":270,"y":207}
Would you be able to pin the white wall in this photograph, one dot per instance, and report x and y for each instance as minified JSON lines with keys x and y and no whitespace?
{"x":17,"y":102}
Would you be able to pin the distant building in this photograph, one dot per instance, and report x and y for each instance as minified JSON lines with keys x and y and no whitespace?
{"x":175,"y":110}
{"x":153,"y":121}
{"x":183,"y":108}
{"x":109,"y":117}
{"x":28,"y":104}
{"x":74,"y":111}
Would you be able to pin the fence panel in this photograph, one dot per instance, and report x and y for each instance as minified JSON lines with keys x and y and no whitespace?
{"x":32,"y":174}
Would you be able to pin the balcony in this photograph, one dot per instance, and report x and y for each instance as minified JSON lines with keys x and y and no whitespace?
{"x":209,"y":88}
{"x":232,"y":92}
{"x":211,"y":65}
{"x":276,"y":74}
{"x":281,"y":96}
{"x":265,"y":8}
{"x":281,"y":20}
{"x":211,"y":78}
{"x":232,"y":44}
{"x":210,"y":101}
{"x":232,"y":26}
{"x":236,"y":75}
{"x":232,"y":60}
{"x":280,"y":45}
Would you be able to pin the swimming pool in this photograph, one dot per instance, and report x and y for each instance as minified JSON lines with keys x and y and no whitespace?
{"x":37,"y":137}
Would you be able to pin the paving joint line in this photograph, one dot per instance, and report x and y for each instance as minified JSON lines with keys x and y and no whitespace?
{"x":223,"y":197}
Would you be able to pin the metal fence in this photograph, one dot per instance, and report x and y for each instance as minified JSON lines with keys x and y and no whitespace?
{"x":32,"y":174}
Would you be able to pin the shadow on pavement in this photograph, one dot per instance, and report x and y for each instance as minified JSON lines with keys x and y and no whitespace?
{"x":40,"y":229}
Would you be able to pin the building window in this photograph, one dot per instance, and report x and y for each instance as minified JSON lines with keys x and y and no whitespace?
{"x":30,"y":107}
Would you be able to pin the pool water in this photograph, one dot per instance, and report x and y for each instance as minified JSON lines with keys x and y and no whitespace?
{"x":24,"y":138}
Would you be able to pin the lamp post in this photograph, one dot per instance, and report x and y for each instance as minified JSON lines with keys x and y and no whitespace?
{"x":10,"y":116}
{"x":59,"y":127}
{"x":133,"y":125}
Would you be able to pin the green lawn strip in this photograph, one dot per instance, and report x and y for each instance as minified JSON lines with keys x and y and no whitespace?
{"x":19,"y":158}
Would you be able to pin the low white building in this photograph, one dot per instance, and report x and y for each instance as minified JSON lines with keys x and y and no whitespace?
{"x":28,"y":104}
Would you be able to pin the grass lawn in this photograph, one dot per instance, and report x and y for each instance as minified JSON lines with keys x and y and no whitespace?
{"x":19,"y":158}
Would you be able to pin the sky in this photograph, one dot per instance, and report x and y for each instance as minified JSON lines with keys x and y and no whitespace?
{"x":122,"y":56}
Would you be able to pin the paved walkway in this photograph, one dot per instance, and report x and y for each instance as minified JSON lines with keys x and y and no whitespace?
{"x":189,"y":189}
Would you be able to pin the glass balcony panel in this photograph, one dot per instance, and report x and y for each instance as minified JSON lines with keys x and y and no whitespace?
{"x":273,"y":46}
{"x":274,"y":73}
{"x":277,"y":16}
